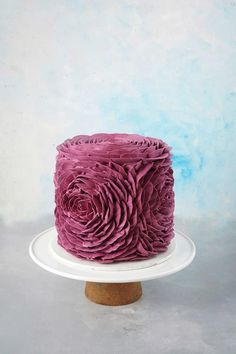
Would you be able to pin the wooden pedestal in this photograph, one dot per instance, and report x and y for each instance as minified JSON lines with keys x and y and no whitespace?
{"x":113,"y":294}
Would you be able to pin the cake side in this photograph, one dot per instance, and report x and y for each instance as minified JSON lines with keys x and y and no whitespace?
{"x":114,"y":197}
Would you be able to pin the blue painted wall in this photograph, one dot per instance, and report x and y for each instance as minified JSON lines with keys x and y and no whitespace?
{"x":158,"y":68}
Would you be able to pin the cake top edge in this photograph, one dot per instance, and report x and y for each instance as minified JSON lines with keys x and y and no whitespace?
{"x":112,"y":139}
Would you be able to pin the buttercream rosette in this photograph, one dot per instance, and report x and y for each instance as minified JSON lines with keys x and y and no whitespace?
{"x":114,"y":197}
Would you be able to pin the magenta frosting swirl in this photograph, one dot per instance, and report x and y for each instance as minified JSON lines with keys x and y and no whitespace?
{"x":114,"y":197}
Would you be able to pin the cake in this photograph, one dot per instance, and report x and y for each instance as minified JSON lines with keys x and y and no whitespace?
{"x":114,"y":197}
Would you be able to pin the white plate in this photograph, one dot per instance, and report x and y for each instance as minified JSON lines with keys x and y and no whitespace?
{"x":43,"y":252}
{"x":66,"y":258}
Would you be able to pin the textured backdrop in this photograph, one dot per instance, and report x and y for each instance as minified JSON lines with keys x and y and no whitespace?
{"x":159,"y":68}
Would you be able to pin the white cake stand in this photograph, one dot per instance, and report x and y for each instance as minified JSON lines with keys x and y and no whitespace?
{"x":111,"y":284}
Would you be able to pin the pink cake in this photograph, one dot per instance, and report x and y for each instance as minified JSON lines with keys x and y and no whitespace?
{"x":114,"y":197}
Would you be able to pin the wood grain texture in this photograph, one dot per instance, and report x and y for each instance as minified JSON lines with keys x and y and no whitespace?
{"x":113,"y":294}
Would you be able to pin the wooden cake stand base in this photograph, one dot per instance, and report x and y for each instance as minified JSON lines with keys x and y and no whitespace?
{"x":113,"y":294}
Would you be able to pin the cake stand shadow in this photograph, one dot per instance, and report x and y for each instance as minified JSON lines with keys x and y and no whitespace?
{"x":111,"y":284}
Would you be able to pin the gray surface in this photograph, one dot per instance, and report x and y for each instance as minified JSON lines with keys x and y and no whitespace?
{"x":189,"y":312}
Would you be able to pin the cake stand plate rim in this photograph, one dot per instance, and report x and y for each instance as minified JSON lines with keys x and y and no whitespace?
{"x":183,"y":255}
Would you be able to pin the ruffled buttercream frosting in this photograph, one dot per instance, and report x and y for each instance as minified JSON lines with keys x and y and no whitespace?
{"x":114,"y":197}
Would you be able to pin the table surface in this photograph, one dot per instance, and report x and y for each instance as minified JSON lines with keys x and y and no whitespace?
{"x":190,"y":312}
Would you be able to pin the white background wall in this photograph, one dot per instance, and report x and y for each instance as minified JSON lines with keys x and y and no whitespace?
{"x":158,"y":68}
